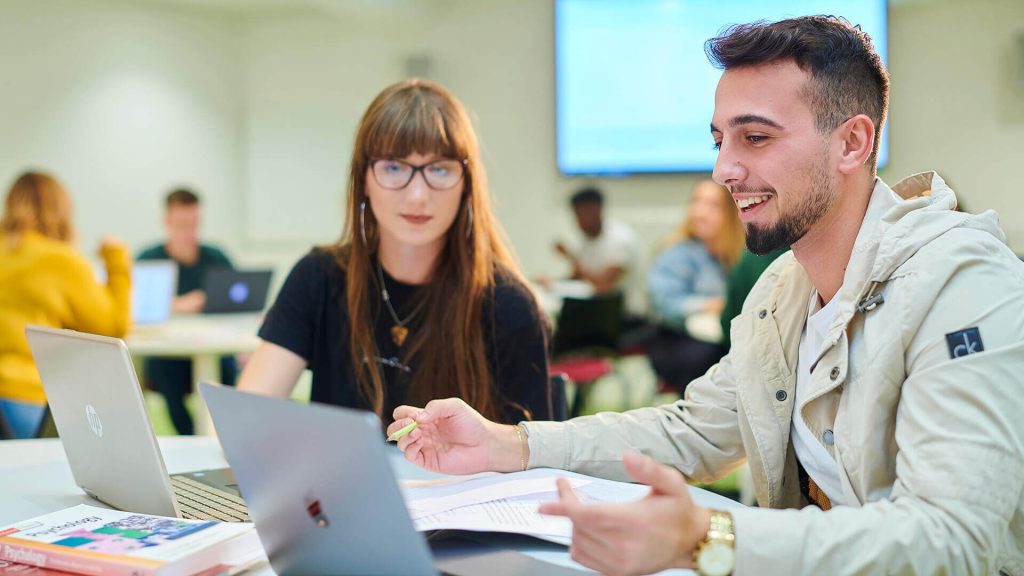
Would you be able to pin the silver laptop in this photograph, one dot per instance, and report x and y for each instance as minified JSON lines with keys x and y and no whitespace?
{"x":323,"y":495}
{"x":154,"y":283}
{"x":99,"y":412}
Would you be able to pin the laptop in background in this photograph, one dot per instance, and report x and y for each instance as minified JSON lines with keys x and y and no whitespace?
{"x":154,"y":283}
{"x":229,"y":290}
{"x":101,"y":417}
{"x":323,"y":496}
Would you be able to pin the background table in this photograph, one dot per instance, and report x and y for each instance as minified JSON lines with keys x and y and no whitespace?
{"x":201,"y":338}
{"x":551,"y":294}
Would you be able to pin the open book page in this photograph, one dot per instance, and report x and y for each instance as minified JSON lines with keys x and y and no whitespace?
{"x":508,"y":502}
{"x":427,"y":501}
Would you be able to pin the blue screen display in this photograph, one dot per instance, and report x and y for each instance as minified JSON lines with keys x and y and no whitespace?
{"x":634,"y":89}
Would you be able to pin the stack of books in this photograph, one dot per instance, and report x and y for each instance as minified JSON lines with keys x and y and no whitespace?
{"x":89,"y":540}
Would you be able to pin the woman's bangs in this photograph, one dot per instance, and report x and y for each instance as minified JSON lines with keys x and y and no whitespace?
{"x":421,"y":128}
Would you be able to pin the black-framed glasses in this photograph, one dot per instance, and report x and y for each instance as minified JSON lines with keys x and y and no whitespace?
{"x":442,"y":174}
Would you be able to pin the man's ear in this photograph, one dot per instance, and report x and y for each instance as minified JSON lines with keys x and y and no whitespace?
{"x":857,"y":136}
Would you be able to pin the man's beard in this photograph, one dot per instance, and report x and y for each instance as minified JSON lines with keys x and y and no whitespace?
{"x":792,"y":227}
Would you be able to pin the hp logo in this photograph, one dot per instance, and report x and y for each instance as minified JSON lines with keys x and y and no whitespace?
{"x":94,"y":420}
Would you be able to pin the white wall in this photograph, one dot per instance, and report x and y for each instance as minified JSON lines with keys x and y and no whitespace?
{"x":258,"y":110}
{"x":122,"y":101}
{"x":958,"y":101}
{"x":953,"y":108}
{"x":307,"y":81}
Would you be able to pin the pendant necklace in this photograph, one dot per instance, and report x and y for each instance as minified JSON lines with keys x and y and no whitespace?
{"x":399,"y":332}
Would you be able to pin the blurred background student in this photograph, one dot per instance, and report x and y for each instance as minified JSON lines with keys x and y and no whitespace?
{"x":173,"y":377}
{"x":687,"y":286}
{"x":609,"y":248}
{"x":420,"y":299}
{"x":46,"y":281}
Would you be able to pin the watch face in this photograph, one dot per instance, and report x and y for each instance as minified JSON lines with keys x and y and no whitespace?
{"x":715,"y":559}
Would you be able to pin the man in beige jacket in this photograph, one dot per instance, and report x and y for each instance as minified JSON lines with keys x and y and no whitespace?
{"x":874,"y":383}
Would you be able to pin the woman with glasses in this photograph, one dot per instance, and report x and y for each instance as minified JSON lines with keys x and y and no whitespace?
{"x":420,"y":299}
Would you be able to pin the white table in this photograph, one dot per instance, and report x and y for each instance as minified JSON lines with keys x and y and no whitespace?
{"x":201,"y":338}
{"x":552,"y":295}
{"x":35,"y":479}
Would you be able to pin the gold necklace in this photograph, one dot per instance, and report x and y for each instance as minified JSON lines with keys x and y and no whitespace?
{"x":398,"y":332}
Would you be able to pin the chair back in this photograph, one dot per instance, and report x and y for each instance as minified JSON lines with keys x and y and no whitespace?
{"x":559,"y":400}
{"x":5,"y":429}
{"x":45,"y":429}
{"x":589,"y":325}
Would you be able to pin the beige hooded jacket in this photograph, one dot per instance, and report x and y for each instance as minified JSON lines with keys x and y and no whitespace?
{"x":924,"y":417}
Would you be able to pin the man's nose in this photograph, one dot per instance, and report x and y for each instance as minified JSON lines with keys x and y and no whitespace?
{"x":729,"y":169}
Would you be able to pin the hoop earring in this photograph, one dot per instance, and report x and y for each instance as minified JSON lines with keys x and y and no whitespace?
{"x":469,"y":221}
{"x":362,"y":221}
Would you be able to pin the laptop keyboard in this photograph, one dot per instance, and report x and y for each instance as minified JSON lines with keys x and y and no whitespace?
{"x":198,"y":501}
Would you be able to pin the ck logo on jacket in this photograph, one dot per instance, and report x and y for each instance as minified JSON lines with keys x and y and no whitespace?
{"x":964,"y":342}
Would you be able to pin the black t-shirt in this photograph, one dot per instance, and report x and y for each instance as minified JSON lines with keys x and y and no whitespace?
{"x":309,"y":318}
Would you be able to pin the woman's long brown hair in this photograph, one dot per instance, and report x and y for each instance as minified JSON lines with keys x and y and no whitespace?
{"x":419,"y":116}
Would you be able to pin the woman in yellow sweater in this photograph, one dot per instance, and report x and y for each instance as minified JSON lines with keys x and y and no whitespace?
{"x":45,"y":281}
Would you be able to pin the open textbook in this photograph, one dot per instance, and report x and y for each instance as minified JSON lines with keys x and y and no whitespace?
{"x":89,"y":540}
{"x":508,"y":502}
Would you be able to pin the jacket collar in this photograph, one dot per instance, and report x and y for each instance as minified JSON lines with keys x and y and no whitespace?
{"x":897,"y":222}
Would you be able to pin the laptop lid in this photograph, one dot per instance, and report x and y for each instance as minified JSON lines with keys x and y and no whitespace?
{"x":229,"y":290}
{"x":319,"y":486}
{"x":97,"y":406}
{"x":154,"y":283}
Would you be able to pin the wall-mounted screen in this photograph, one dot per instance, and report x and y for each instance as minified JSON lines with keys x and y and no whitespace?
{"x":634,"y":89}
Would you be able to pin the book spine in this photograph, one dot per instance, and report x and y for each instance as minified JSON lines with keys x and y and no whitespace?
{"x":74,"y":561}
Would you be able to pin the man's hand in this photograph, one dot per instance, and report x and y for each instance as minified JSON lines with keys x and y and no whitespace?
{"x":655,"y":533}
{"x":453,"y":438}
{"x":189,"y":302}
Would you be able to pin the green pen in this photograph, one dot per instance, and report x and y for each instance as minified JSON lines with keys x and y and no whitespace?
{"x":403,"y":431}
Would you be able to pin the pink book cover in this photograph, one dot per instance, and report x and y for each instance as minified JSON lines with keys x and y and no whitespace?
{"x":96,"y":541}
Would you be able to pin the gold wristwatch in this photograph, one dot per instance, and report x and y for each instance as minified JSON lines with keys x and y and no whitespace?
{"x":715,"y":555}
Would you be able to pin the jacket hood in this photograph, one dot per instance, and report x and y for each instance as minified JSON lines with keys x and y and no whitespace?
{"x":902,"y":219}
{"x":898,"y":222}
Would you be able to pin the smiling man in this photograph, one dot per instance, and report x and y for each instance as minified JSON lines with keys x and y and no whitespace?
{"x":873,"y":383}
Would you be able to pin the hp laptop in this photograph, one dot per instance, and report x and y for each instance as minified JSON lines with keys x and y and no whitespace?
{"x":100,"y":415}
{"x":153,"y":286}
{"x":229,"y":290}
{"x":327,"y":501}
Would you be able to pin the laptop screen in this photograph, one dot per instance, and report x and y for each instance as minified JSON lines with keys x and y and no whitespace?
{"x":229,"y":290}
{"x":153,"y":286}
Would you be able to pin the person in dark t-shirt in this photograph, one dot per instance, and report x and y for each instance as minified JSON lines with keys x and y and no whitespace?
{"x":420,"y":299}
{"x":173,"y":377}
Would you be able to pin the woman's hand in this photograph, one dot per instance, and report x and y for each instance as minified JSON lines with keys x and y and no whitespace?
{"x":453,"y":438}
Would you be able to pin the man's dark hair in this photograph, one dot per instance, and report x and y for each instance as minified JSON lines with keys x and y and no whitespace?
{"x":847,"y":75}
{"x":182,"y":197}
{"x":588,"y":195}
